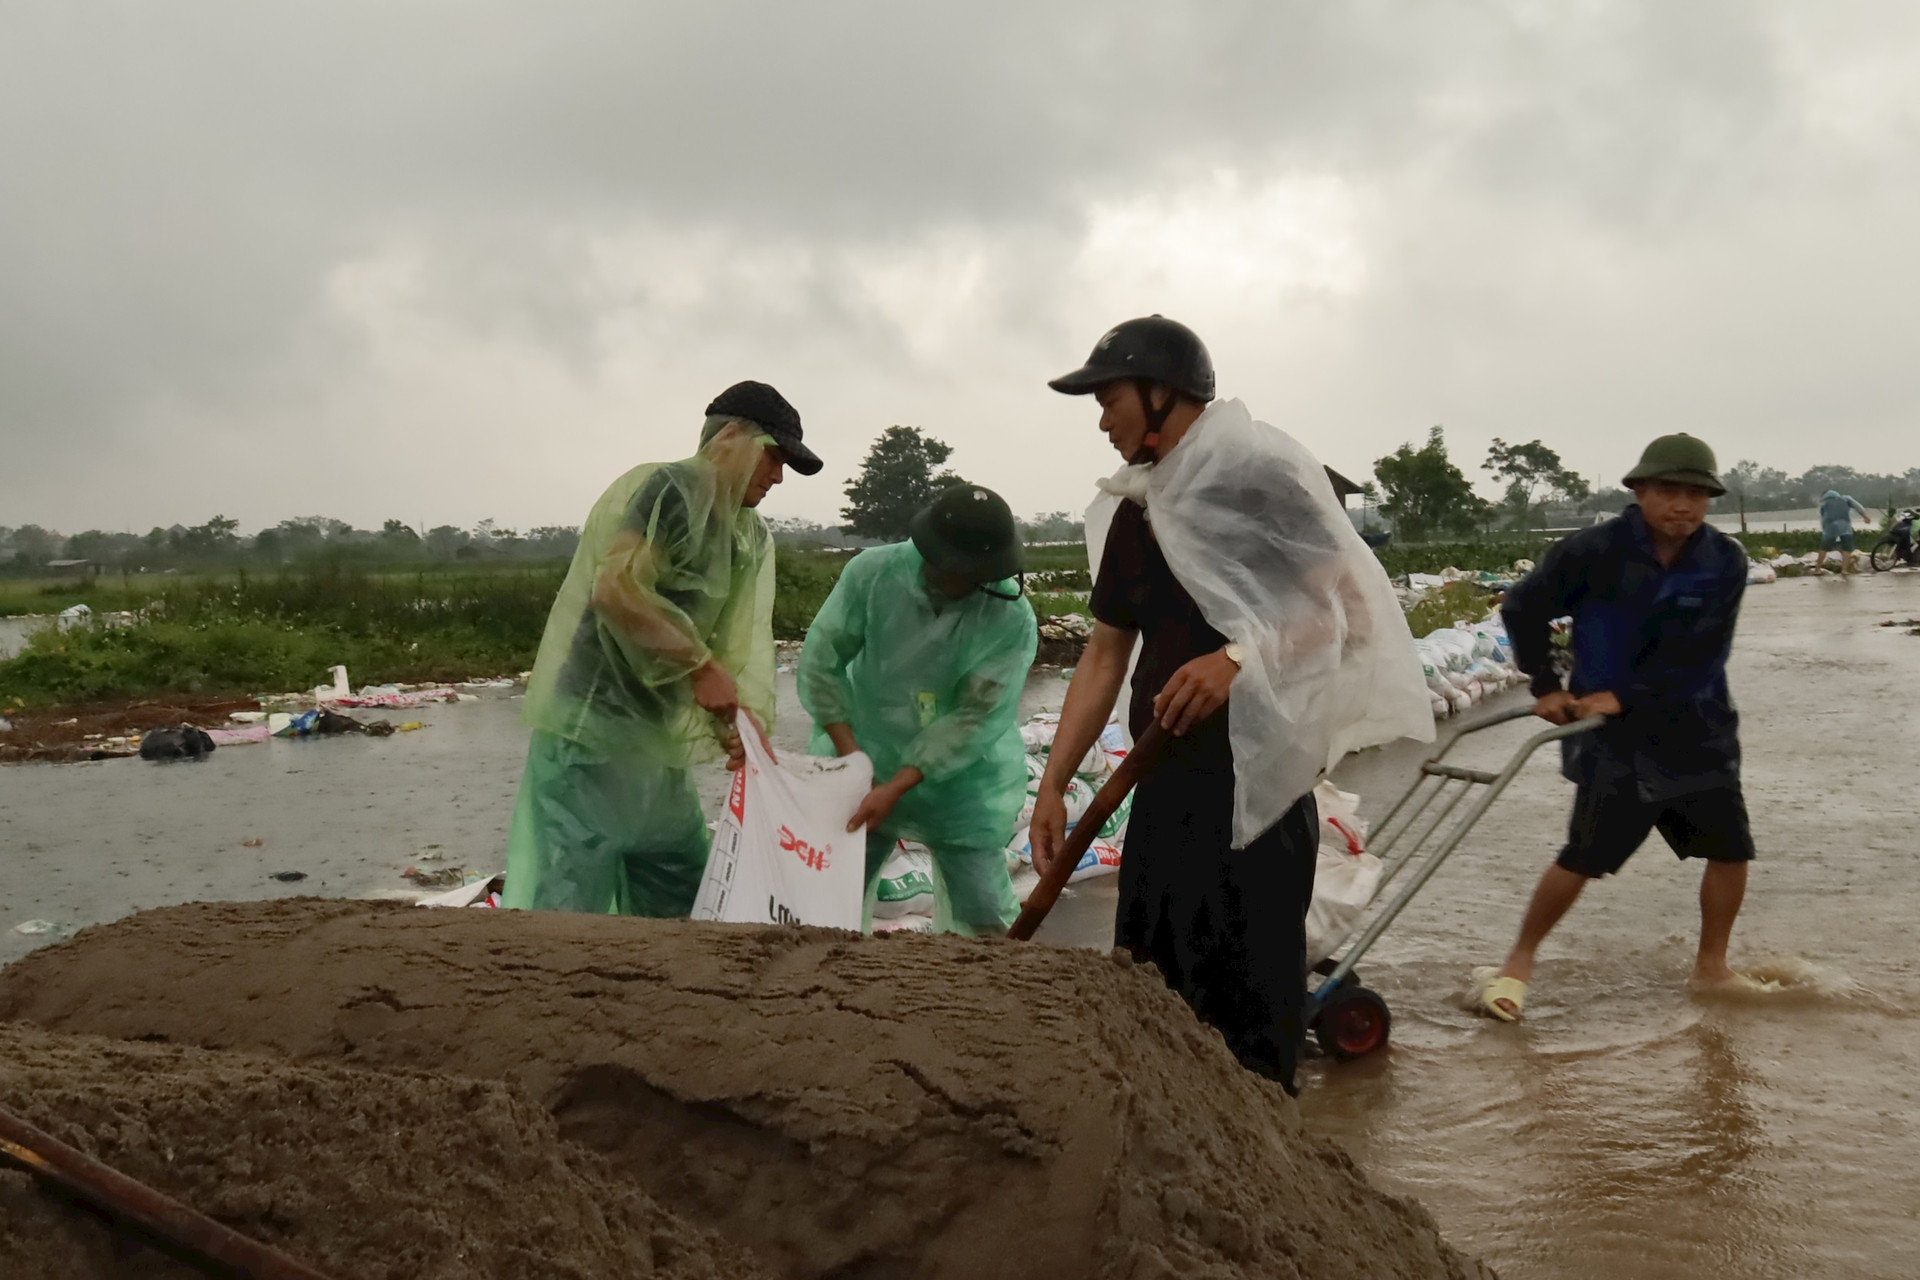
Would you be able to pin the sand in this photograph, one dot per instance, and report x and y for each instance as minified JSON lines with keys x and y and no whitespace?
{"x":842,"y":1106}
{"x":361,"y":1174}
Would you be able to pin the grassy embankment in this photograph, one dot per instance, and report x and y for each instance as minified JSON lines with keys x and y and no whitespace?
{"x":251,"y":633}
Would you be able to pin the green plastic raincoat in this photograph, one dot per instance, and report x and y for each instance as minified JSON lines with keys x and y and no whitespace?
{"x":935,"y":684}
{"x":671,"y":571}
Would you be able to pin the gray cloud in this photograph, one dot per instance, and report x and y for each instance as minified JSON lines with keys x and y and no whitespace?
{"x":458,"y":261}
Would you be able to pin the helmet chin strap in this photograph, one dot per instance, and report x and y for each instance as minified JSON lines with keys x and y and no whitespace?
{"x":1149,"y":450}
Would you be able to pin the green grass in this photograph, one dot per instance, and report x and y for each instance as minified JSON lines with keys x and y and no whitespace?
{"x":260,"y":634}
{"x":1454,"y":602}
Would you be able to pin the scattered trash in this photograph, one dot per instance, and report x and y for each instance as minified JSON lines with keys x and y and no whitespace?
{"x":478,"y":893}
{"x":254,"y":843}
{"x":248,"y":717}
{"x":338,"y":691}
{"x":393,"y":697}
{"x":1068,"y":626}
{"x":410,"y":726}
{"x":1759,"y":573}
{"x":32,"y":927}
{"x":239,"y":737}
{"x":439,"y":878}
{"x":289,"y":877}
{"x":6,"y":725}
{"x":77,"y":616}
{"x":432,"y":853}
{"x":184,"y":743}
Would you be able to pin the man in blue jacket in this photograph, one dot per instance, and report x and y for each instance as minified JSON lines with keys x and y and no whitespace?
{"x":1653,"y":595}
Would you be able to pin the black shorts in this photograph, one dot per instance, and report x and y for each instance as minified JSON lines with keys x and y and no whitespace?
{"x":1608,"y":826}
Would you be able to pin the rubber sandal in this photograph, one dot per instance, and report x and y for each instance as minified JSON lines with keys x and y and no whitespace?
{"x":1508,"y":990}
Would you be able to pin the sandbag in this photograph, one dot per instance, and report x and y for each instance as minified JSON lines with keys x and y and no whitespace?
{"x":782,"y":853}
{"x":1345,"y":877}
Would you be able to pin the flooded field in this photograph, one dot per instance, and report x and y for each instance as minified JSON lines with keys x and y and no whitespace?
{"x":1626,"y":1129}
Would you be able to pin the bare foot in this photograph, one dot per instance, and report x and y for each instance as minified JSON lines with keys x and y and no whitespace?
{"x":1711,"y":975}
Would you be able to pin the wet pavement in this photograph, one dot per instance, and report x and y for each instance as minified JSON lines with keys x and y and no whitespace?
{"x":1626,"y":1128}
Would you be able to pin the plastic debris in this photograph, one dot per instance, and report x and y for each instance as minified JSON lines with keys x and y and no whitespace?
{"x":254,"y":843}
{"x":184,"y":743}
{"x":289,"y":877}
{"x":410,"y":726}
{"x":437,"y":878}
{"x":32,"y":927}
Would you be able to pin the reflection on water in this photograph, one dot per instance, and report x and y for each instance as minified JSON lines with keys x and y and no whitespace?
{"x":1630,"y":1126}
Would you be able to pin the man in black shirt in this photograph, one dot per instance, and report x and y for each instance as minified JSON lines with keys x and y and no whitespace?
{"x":1226,"y":926}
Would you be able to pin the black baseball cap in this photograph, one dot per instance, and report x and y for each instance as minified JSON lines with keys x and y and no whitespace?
{"x":760,"y":403}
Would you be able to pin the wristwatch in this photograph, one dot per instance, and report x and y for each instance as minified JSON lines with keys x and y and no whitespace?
{"x":1235,"y":653}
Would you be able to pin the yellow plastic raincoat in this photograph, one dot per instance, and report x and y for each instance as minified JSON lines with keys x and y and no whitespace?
{"x":672,"y":570}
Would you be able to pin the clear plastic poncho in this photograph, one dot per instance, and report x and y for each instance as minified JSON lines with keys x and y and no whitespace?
{"x":935,"y":685}
{"x":671,"y":571}
{"x":1250,"y":526}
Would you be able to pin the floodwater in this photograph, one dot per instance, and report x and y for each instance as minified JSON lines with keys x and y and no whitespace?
{"x":14,"y":633}
{"x":1626,"y":1128}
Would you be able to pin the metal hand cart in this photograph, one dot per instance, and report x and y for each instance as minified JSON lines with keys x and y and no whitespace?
{"x":1346,"y":1018}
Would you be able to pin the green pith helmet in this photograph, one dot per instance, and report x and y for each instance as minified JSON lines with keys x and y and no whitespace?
{"x":969,"y":531}
{"x":1679,"y":459}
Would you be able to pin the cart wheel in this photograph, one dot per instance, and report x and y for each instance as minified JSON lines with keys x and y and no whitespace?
{"x":1884,"y":556}
{"x":1353,"y":1023}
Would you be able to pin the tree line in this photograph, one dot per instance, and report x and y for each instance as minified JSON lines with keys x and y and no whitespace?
{"x":218,"y":543}
{"x":1419,"y":491}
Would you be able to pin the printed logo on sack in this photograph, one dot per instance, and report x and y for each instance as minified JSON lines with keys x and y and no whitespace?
{"x":811,"y":858}
{"x":737,"y":799}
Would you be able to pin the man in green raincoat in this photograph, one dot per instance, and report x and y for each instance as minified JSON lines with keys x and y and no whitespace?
{"x":662,"y":630}
{"x":918,"y":659}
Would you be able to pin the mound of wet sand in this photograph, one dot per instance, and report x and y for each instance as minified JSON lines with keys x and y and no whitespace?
{"x":844,"y":1106}
{"x":362,"y":1174}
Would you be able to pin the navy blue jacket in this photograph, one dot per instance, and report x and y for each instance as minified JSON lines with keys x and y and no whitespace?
{"x":1655,"y":637}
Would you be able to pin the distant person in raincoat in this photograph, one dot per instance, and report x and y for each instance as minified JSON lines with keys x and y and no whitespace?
{"x":1836,"y":528}
{"x":662,"y":630}
{"x":918,"y":658}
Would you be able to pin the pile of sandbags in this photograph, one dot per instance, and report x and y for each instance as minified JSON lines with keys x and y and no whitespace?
{"x":904,"y":897}
{"x":1465,"y":663}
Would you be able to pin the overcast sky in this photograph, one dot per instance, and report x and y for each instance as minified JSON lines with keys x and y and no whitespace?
{"x":450,"y":261}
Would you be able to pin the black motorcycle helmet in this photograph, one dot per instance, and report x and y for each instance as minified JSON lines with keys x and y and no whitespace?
{"x":1150,"y":349}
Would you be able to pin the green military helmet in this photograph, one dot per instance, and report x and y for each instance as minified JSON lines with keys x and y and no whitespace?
{"x":1678,"y":459}
{"x":969,"y":531}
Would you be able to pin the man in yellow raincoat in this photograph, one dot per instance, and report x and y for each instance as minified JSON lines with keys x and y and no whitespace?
{"x":662,"y":630}
{"x":918,"y":658}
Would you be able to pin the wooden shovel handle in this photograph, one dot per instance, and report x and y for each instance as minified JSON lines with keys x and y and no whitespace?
{"x":197,"y":1239}
{"x":1105,"y":801}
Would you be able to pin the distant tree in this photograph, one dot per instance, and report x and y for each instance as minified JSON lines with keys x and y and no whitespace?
{"x":445,"y":541}
{"x":1054,"y":526}
{"x":34,"y":546}
{"x":558,"y":541}
{"x":1533,"y":473}
{"x":398,"y":532}
{"x":896,"y":481}
{"x":1424,"y":493}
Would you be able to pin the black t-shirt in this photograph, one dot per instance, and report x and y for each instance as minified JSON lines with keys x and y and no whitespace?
{"x":1136,"y":590}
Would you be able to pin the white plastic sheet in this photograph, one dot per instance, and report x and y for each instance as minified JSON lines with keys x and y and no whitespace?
{"x":1250,"y":526}
{"x":782,"y":853}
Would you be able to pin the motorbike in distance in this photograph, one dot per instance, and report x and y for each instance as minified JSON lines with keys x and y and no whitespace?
{"x":1898,"y":547}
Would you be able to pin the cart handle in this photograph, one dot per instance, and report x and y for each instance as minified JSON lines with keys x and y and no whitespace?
{"x":1495,"y":785}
